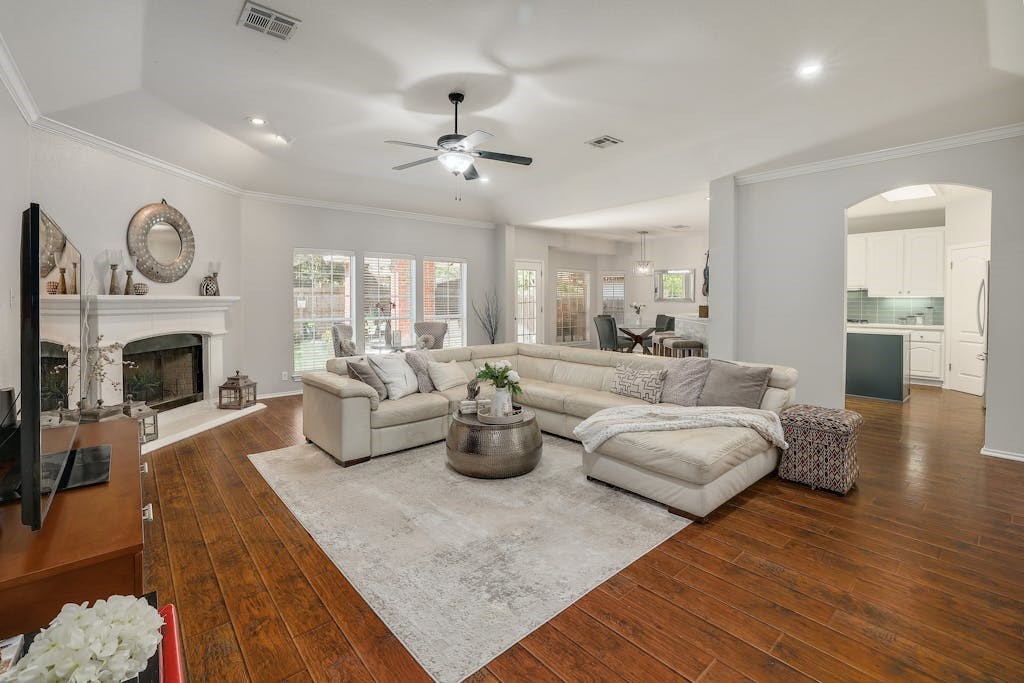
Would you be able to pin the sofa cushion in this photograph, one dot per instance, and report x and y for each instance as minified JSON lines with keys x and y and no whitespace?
{"x":776,"y":400}
{"x":364,"y":373}
{"x":580,"y":374}
{"x":546,"y":395}
{"x":419,"y":361}
{"x":509,"y":350}
{"x":396,"y":374}
{"x":537,"y":368}
{"x":461,"y":353}
{"x":684,"y":380}
{"x":342,"y":387}
{"x":694,"y":455}
{"x":586,"y":402}
{"x":729,"y":384}
{"x":412,"y":408}
{"x":643,"y":384}
{"x":446,"y":375}
{"x":339,"y":366}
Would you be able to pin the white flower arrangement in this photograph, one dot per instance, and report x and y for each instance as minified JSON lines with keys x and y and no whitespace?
{"x":108,"y":642}
{"x":637,"y":307}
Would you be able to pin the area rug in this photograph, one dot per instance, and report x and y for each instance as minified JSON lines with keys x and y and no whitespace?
{"x":461,"y":569}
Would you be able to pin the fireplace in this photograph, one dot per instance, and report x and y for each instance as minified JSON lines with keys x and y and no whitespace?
{"x":165,"y":371}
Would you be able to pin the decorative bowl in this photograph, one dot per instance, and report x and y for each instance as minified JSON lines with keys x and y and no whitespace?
{"x":140,"y":289}
{"x":52,"y":287}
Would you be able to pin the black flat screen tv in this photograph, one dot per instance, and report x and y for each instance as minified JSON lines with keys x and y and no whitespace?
{"x":39,"y":452}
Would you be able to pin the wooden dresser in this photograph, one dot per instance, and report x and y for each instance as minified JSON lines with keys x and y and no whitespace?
{"x":90,"y":546}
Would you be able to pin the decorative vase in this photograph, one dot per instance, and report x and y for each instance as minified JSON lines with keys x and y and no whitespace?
{"x":73,"y":285}
{"x":140,"y":289}
{"x":115,"y":288}
{"x":63,"y":287}
{"x":209,"y":286}
{"x":501,"y":402}
{"x":637,"y":318}
{"x":129,"y":284}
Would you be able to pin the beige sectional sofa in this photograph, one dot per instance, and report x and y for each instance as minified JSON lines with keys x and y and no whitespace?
{"x":692,"y":471}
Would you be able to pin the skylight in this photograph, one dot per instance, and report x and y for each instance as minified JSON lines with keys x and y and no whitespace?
{"x":901,"y":194}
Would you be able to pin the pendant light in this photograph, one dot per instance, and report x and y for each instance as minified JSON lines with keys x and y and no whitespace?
{"x":643,"y":266}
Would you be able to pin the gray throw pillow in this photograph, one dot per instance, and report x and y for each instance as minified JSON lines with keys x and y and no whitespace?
{"x":729,"y":384}
{"x":643,"y":384}
{"x":364,"y":373}
{"x":419,"y":361}
{"x":684,"y":380}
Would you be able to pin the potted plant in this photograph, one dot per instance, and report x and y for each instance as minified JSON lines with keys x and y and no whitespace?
{"x":506,"y":384}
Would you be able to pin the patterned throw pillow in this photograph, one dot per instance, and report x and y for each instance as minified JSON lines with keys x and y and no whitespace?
{"x":684,"y":380}
{"x":643,"y":384}
{"x":419,"y":361}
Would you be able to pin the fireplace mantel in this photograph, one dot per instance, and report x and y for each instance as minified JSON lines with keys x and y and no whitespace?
{"x":123,"y":319}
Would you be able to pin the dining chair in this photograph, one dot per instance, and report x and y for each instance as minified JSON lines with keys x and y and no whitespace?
{"x":341,"y":335}
{"x":608,"y":334}
{"x":437,"y":330}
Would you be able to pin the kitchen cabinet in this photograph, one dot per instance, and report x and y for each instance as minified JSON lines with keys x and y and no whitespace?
{"x":926,"y":355}
{"x":857,"y":262}
{"x":904,"y":262}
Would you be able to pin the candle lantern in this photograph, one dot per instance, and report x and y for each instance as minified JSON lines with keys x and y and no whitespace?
{"x":237,"y":392}
{"x":149,"y":427}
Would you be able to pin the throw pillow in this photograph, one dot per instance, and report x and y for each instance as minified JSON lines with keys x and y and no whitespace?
{"x":446,"y":375}
{"x":643,"y":384}
{"x":364,"y":373}
{"x":396,"y":374}
{"x":418,"y":361}
{"x":684,"y":380}
{"x":729,"y":384}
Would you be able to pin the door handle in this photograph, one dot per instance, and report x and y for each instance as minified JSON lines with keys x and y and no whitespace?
{"x":982,"y":356}
{"x":981,"y":293}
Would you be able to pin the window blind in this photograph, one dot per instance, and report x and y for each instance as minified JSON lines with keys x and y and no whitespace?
{"x":321,"y":298}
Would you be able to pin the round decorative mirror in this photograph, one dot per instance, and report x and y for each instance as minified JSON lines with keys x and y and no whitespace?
{"x":161,"y":243}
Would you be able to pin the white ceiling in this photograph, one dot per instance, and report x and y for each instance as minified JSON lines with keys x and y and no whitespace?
{"x":696,"y":90}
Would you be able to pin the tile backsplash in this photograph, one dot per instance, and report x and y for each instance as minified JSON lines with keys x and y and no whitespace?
{"x":888,"y":310}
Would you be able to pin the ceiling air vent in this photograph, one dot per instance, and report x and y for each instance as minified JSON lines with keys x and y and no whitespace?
{"x":269,"y":21}
{"x":604,"y":141}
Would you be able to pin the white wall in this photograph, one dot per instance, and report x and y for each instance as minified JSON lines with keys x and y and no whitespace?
{"x":270,"y":232}
{"x":969,"y":220}
{"x":93,"y":194}
{"x":930,"y":218}
{"x":789,"y":236}
{"x":14,"y":199}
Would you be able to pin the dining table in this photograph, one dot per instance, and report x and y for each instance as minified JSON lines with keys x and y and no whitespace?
{"x":638,"y":334}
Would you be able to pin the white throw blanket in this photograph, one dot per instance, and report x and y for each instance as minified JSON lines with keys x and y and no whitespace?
{"x":604,"y":424}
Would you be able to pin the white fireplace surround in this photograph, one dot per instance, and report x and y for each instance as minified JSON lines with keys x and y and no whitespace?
{"x":129,"y":318}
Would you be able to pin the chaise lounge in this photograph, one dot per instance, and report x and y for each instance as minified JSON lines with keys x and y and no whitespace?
{"x":692,"y":471}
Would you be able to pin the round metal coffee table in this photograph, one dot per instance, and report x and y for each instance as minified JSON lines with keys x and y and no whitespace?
{"x":489,"y":451}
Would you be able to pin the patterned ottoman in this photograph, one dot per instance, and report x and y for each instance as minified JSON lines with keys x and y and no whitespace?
{"x":822,"y":449}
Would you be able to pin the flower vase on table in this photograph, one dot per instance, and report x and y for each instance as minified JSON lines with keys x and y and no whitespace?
{"x":506,"y":383}
{"x":501,"y":402}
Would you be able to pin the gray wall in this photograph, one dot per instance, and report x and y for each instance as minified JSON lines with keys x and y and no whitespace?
{"x":790,"y":239}
{"x":270,"y":231}
{"x":14,"y":198}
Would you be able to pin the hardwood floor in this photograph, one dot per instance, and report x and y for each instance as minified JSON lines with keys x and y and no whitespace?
{"x":918,"y":574}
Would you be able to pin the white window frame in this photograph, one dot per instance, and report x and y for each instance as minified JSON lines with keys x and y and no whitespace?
{"x":413,"y":317}
{"x":296,"y":251}
{"x":621,"y":319}
{"x":463,"y":300}
{"x":539,"y":315}
{"x":586,"y":307}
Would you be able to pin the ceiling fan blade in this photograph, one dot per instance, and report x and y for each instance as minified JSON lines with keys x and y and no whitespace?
{"x":414,"y":163}
{"x":474,"y":139}
{"x":498,"y":156}
{"x":470,"y":173}
{"x":410,"y":144}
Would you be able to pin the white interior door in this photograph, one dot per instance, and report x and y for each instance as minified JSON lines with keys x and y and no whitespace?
{"x":529,"y":301}
{"x":967,"y":321}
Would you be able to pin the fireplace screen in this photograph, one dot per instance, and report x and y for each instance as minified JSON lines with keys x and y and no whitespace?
{"x":165,"y":371}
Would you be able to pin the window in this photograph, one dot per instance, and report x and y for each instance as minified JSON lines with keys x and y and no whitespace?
{"x":613,"y":295}
{"x":388,"y":302}
{"x":321,"y":298}
{"x":444,"y":298}
{"x":571,"y":304}
{"x":528,"y":311}
{"x":673,"y":285}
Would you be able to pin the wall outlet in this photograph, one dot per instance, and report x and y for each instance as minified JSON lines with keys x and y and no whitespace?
{"x":285,"y":376}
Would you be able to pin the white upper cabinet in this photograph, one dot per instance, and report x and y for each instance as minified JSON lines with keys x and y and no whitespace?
{"x":857,"y":262}
{"x":924,"y":256}
{"x":905,"y":262}
{"x":885,"y":263}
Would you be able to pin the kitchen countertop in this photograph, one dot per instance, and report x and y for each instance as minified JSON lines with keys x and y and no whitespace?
{"x":937,"y":328}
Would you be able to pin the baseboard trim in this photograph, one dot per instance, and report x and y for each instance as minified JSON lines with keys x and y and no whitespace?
{"x":1006,"y":455}
{"x":294,"y":392}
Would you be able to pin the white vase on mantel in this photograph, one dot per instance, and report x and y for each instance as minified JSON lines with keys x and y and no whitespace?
{"x":501,"y":402}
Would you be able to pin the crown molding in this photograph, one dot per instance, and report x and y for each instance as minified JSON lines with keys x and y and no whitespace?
{"x":372,"y":210}
{"x":914,"y":149}
{"x":12,"y":79}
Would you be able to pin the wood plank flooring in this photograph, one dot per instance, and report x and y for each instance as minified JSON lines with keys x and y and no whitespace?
{"x":917,"y":575}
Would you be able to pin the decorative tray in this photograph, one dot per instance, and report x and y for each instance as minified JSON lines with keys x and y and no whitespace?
{"x":515,"y":416}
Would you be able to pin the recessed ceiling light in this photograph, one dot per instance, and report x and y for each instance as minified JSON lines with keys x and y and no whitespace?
{"x":809,"y":70}
{"x":901,"y":194}
{"x":283,"y":139}
{"x":257,"y":121}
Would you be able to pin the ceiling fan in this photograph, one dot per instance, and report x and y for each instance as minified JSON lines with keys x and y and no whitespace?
{"x":457,"y":152}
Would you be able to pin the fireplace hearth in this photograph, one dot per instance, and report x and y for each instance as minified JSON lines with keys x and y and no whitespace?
{"x":165,"y":371}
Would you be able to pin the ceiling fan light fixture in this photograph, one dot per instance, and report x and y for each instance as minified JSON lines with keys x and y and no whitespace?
{"x":455,"y":162}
